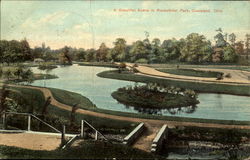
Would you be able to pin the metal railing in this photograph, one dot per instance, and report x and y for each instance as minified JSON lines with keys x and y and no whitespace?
{"x":96,"y":131}
{"x":29,"y":120}
{"x":64,"y":144}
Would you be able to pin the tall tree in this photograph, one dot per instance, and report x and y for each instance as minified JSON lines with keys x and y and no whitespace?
{"x":247,"y":44}
{"x":232,"y":38}
{"x":118,"y":53}
{"x":26,"y":51}
{"x":229,"y":54}
{"x":196,"y":49}
{"x":220,"y":41}
{"x":90,"y":55}
{"x":138,"y":51}
{"x":101,"y":54}
{"x":65,"y":56}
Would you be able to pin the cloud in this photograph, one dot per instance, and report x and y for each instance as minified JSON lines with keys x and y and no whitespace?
{"x":81,"y":26}
{"x":53,"y":18}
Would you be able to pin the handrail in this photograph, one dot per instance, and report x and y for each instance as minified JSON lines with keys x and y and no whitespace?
{"x":46,"y":123}
{"x":95,"y":130}
{"x":30,"y":114}
{"x":70,"y":141}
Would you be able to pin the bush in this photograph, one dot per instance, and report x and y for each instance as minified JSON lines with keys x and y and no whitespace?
{"x":141,"y":60}
{"x":219,"y":76}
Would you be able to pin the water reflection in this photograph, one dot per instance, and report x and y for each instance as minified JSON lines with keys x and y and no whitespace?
{"x":172,"y":111}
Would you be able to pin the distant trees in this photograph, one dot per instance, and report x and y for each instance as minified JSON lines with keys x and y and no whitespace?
{"x":15,"y":51}
{"x":195,"y":48}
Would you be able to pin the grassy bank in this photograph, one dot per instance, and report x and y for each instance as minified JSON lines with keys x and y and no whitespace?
{"x":199,"y":87}
{"x":33,"y":100}
{"x":224,"y":136}
{"x":191,"y":72}
{"x":97,"y":64}
{"x":71,"y":98}
{"x":86,"y":150}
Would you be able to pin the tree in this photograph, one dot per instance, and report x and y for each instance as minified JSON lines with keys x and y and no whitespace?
{"x":239,"y":47}
{"x":7,"y":73}
{"x":1,"y":71}
{"x":229,"y":54}
{"x":26,"y":51}
{"x":171,"y":49}
{"x":220,"y":41}
{"x":196,"y":49}
{"x":19,"y":71}
{"x":118,"y":53}
{"x":101,"y":54}
{"x":65,"y":57}
{"x":80,"y":54}
{"x":90,"y":55}
{"x":3,"y":98}
{"x":247,"y":44}
{"x":138,"y":51}
{"x":232,"y":38}
{"x":45,"y":106}
{"x":72,"y":115}
{"x":27,"y":75}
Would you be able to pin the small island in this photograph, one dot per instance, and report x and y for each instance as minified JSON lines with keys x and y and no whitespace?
{"x":153,"y":95}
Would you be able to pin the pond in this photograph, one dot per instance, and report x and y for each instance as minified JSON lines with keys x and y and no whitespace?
{"x":83,"y":80}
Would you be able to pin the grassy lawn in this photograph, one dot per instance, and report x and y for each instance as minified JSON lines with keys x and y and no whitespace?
{"x":183,"y":66}
{"x":196,"y":86}
{"x":86,"y":150}
{"x":191,"y":72}
{"x":71,"y":98}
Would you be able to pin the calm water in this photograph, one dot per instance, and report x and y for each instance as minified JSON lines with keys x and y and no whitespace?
{"x":83,"y":80}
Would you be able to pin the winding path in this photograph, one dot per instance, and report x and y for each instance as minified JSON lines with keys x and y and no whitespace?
{"x":238,"y":77}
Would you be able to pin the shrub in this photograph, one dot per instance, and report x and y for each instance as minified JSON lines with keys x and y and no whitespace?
{"x":219,"y":76}
{"x":142,"y":60}
{"x":228,"y":75}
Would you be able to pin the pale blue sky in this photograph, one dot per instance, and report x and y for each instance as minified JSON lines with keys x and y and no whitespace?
{"x":85,"y":24}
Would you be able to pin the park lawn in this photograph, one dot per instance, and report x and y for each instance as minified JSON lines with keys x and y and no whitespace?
{"x":191,"y":72}
{"x":86,"y":150}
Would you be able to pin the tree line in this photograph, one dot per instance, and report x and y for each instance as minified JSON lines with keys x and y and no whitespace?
{"x":195,"y":48}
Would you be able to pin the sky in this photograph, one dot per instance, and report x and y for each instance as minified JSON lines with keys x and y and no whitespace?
{"x":86,"y":24}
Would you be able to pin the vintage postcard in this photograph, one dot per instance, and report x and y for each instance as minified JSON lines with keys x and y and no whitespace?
{"x":92,"y":79}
